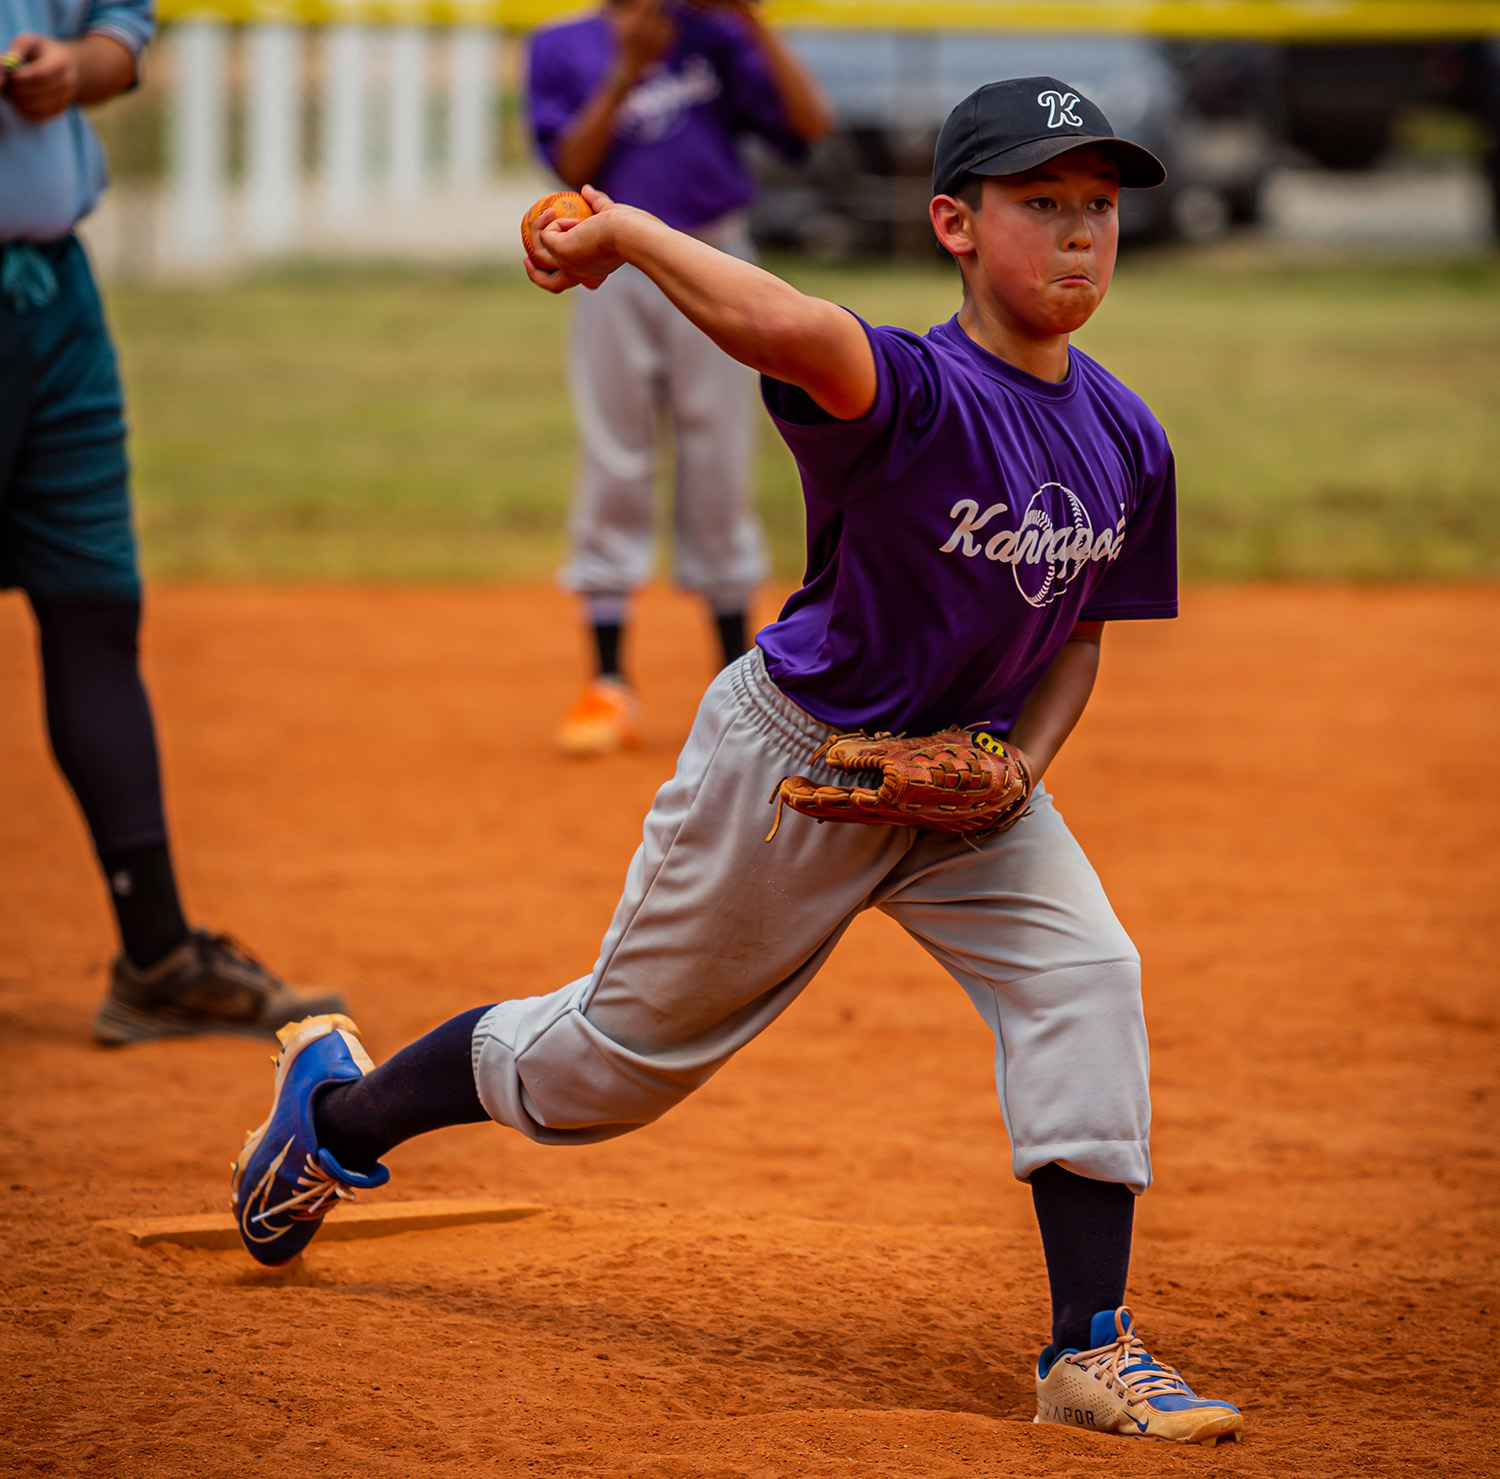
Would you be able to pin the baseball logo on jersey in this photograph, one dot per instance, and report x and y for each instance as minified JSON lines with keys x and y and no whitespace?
{"x":658,"y":107}
{"x":1054,"y":542}
{"x":1059,"y":106}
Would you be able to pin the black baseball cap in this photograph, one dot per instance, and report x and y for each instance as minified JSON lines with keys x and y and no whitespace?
{"x":1006,"y":128}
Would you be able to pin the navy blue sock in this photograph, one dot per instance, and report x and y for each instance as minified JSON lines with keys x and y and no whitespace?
{"x":143,"y":890}
{"x":426,"y":1086}
{"x":733,"y":641}
{"x":1086,"y":1227}
{"x":607,"y":637}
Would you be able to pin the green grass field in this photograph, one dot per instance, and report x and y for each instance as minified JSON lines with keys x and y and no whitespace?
{"x":1334,"y":421}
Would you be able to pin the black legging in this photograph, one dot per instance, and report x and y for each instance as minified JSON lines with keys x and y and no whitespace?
{"x":99,"y":721}
{"x":99,"y":718}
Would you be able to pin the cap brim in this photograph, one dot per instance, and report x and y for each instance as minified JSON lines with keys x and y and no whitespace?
{"x":1140,"y":169}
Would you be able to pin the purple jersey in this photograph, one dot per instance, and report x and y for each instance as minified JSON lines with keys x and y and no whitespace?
{"x":675,"y":150}
{"x":959,"y":530}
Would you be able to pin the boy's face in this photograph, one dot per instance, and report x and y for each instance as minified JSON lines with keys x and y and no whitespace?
{"x":1041,"y":247}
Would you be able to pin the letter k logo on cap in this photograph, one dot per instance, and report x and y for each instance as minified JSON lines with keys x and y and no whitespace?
{"x":1059,"y":106}
{"x":1018,"y":123}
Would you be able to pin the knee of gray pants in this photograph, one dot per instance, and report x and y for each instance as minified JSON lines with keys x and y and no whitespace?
{"x":544,"y":1069}
{"x":1073,"y":1070}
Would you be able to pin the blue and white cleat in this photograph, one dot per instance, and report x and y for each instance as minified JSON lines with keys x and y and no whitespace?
{"x":1116,"y":1387}
{"x":284,"y":1182}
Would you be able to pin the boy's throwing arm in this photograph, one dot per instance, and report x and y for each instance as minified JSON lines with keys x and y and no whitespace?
{"x":751,"y":314}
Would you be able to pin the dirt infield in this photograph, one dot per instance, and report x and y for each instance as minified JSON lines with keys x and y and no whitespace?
{"x":819,"y":1266}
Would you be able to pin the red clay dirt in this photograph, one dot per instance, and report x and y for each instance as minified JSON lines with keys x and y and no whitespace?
{"x":820,"y":1265}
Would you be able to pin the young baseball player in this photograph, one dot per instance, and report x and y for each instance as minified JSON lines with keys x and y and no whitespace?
{"x":649,"y":99}
{"x":65,"y":525}
{"x":980,"y":501}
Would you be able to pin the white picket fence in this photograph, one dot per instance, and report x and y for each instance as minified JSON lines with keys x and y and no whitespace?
{"x":371,"y":135}
{"x":386,"y":138}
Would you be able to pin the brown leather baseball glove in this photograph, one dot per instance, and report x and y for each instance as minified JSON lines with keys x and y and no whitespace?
{"x":960,"y":780}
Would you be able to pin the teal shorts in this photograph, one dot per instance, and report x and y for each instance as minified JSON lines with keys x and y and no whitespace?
{"x":65,"y":524}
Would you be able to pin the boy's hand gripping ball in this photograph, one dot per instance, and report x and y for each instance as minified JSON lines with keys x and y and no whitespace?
{"x":564,"y":204}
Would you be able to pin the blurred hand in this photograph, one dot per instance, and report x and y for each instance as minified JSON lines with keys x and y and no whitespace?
{"x":46,"y":82}
{"x":643,"y":31}
{"x":568,"y":253}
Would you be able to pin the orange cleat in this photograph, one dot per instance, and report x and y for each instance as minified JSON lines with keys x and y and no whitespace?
{"x":604,"y":720}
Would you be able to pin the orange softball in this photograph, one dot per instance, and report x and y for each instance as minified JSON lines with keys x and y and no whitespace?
{"x":564,"y":204}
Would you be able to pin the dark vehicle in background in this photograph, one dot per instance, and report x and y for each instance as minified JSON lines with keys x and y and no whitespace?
{"x":865,"y":189}
{"x":1340,"y":104}
{"x":1220,"y":114}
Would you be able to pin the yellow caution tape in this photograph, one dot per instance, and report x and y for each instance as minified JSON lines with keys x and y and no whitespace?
{"x":1260,"y":20}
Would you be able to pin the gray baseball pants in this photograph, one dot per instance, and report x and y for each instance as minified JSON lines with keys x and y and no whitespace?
{"x":718,"y":931}
{"x":635,"y":359}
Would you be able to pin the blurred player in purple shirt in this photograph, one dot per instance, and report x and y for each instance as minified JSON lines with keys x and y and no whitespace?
{"x":648,"y":101}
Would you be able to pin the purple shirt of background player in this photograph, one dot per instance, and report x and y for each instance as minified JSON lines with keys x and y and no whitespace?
{"x":676,"y":151}
{"x":959,"y":531}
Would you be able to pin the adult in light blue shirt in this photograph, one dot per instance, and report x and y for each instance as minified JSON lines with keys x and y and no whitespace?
{"x":66,"y":535}
{"x":52,"y":170}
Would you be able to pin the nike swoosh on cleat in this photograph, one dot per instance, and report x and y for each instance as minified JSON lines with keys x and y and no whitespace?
{"x":261,"y":1195}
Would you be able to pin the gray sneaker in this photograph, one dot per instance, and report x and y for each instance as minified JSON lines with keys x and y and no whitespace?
{"x":210,"y":983}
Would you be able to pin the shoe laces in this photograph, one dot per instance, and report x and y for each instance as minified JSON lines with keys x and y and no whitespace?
{"x":221,"y":942}
{"x":1126,"y":1366}
{"x":316,"y":1194}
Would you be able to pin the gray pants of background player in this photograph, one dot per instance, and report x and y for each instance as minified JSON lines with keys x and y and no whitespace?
{"x":635,"y":357}
{"x":718,"y":931}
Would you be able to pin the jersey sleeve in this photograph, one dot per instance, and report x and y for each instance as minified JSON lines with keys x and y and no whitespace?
{"x":1141,"y":581}
{"x":555,"y":91}
{"x":843,"y":461}
{"x":130,"y":22}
